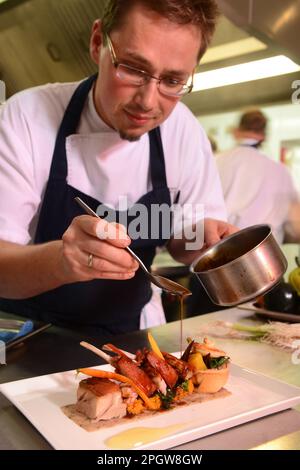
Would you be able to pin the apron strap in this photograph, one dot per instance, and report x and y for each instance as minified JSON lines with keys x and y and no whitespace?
{"x":157,"y":161}
{"x":68,"y":126}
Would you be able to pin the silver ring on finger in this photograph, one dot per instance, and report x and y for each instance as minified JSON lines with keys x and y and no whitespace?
{"x":90,"y":260}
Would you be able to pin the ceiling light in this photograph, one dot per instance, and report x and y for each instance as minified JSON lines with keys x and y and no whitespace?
{"x":247,"y":72}
{"x":233,"y":49}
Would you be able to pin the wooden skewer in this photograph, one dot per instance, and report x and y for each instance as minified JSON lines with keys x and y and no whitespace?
{"x":97,"y":351}
{"x":108,"y":347}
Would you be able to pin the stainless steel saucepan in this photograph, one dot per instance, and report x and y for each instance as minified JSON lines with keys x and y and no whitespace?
{"x":241,"y":267}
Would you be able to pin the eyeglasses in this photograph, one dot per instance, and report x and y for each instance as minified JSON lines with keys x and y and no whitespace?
{"x":167,"y":85}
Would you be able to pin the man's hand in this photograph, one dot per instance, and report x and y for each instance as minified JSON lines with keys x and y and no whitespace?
{"x":94,"y":249}
{"x":90,"y":248}
{"x":214,"y":230}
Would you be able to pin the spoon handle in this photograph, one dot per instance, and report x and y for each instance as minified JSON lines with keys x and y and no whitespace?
{"x":137,"y":259}
{"x":90,"y":211}
{"x":86,"y":208}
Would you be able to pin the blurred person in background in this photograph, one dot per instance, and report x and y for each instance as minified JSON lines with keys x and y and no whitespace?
{"x":256,"y":188}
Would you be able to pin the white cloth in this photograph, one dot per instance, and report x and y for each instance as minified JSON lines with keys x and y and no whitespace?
{"x":153,"y":313}
{"x":256,"y":189}
{"x":100,"y":163}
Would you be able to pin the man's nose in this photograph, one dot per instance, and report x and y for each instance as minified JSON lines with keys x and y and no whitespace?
{"x":146,"y":95}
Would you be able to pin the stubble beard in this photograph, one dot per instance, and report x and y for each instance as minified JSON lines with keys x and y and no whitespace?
{"x":130,"y":138}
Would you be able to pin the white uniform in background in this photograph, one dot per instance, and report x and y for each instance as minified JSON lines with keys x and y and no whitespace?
{"x":100,"y":164}
{"x":256,"y":189}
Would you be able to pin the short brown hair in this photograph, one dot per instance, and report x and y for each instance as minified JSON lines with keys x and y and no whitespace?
{"x":254,"y":121}
{"x":201,"y":13}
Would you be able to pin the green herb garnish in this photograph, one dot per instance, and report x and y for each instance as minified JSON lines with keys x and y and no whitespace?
{"x":185,"y":385}
{"x":167,"y":399}
{"x":216,"y":362}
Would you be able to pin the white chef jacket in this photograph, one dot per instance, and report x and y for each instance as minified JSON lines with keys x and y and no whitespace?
{"x":256,"y":189}
{"x":100,"y":163}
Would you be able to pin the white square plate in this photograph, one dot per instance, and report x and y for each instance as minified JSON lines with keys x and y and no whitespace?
{"x":252,"y":396}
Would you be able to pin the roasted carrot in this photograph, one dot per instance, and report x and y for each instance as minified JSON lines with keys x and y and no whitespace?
{"x":154,"y":346}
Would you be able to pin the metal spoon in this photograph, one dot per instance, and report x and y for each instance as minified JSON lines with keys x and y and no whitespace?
{"x":162,"y":282}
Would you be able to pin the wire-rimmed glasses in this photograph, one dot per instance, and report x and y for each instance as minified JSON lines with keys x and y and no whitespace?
{"x":168,"y":86}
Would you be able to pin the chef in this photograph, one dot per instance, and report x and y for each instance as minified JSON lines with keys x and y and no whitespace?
{"x":119,"y":135}
{"x":256,"y":188}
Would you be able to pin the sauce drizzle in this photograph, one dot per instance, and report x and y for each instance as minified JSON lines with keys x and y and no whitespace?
{"x":139,"y":436}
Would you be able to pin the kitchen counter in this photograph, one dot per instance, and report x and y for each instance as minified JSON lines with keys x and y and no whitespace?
{"x":57,"y":349}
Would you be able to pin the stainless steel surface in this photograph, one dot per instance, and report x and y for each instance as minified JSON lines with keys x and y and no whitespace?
{"x":241,"y":267}
{"x":162,"y":282}
{"x":61,"y":29}
{"x":291,"y":441}
{"x":276,"y":22}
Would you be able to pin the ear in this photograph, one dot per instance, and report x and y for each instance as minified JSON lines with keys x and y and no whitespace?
{"x":96,"y":41}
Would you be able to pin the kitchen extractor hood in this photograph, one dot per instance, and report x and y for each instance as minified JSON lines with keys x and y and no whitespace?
{"x":45,"y":41}
{"x":48,"y":41}
{"x":275,"y":22}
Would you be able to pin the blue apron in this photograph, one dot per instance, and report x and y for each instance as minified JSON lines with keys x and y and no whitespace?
{"x":108,"y":305}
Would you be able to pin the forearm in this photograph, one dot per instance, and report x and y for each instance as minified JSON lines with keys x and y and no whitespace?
{"x":30,"y":270}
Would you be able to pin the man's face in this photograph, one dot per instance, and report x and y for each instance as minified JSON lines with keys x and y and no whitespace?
{"x":151,"y":43}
